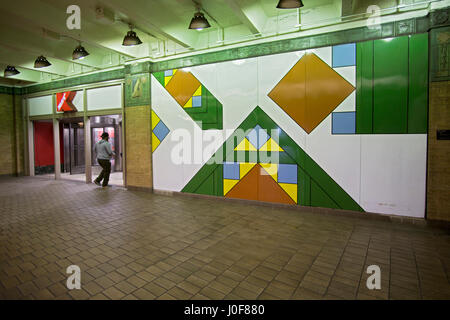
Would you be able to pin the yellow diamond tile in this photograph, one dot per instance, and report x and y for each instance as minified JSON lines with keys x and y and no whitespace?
{"x":244,"y":168}
{"x":155,"y":142}
{"x":271,"y":145}
{"x":228,"y":184}
{"x":155,"y":120}
{"x":198,"y":92}
{"x":245,"y":145}
{"x":188,"y":104}
{"x":291,"y":190}
{"x":271,"y":169}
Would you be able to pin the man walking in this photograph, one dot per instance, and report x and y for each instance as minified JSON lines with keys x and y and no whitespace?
{"x":104,"y":153}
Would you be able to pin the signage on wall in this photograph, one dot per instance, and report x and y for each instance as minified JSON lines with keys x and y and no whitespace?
{"x":64,"y":101}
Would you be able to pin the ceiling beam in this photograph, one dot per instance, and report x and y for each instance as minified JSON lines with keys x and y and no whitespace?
{"x":140,"y":21}
{"x":251,"y":15}
{"x":27,"y":74}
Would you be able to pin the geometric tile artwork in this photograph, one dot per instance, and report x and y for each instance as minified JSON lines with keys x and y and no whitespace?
{"x":292,"y":177}
{"x":344,"y":55}
{"x":195,"y":99}
{"x":159,"y":131}
{"x":343,"y":123}
{"x":310,"y":91}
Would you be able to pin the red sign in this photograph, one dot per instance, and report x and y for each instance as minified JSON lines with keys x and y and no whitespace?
{"x":64,"y":101}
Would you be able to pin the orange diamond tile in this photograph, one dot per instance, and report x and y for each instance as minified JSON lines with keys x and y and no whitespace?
{"x":182,"y":86}
{"x":310,"y":91}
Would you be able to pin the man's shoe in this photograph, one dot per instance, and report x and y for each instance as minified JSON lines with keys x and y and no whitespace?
{"x":97,"y":183}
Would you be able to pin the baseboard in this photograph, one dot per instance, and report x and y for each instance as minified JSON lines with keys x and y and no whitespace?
{"x":327,"y":211}
{"x":142,"y":189}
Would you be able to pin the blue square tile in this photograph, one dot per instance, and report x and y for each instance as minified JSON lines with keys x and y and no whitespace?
{"x":161,"y":130}
{"x":168,"y":73}
{"x":343,"y":123}
{"x":196,"y":101}
{"x":287,"y":173}
{"x":258,"y":136}
{"x":344,"y":55}
{"x":231,"y":170}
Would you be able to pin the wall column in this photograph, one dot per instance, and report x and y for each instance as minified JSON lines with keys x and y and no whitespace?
{"x":56,"y":148}
{"x":137,"y":128}
{"x":438,"y":174}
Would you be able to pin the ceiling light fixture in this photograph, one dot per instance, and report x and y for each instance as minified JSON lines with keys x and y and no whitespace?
{"x":11,"y":71}
{"x":79,"y":53}
{"x":131,"y":39}
{"x":41,"y":62}
{"x":289,"y":4}
{"x":199,"y":21}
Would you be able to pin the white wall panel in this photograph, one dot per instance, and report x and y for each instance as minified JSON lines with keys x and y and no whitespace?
{"x":104,"y":98}
{"x":393,"y":174}
{"x":39,"y":106}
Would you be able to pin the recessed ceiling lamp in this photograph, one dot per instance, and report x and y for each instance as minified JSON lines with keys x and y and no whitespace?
{"x":79,"y":53}
{"x":11,"y":71}
{"x":41,"y":62}
{"x":131,"y":39}
{"x":289,"y":4}
{"x":199,"y":21}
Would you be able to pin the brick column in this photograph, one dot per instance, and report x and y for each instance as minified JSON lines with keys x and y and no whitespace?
{"x":137,"y":132}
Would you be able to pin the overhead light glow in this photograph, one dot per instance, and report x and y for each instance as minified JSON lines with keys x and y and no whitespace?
{"x":199,"y":22}
{"x":289,"y":4}
{"x":79,"y":53}
{"x":131,"y":39}
{"x":11,"y":71}
{"x":41,"y":62}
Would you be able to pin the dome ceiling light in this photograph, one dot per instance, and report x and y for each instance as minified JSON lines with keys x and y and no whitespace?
{"x":41,"y":62}
{"x":289,"y":4}
{"x":131,"y":39}
{"x":79,"y":53}
{"x":11,"y":71}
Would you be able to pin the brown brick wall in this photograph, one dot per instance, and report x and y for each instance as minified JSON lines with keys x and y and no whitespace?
{"x":138,"y":147}
{"x":438,"y":182}
{"x":8,"y":148}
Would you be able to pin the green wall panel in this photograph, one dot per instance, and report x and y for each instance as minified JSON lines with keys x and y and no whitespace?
{"x":390,"y":92}
{"x":304,"y":188}
{"x":364,"y":87}
{"x":321,"y":199}
{"x":418,"y":84}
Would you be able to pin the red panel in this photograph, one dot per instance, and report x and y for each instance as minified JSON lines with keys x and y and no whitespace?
{"x":64,"y":101}
{"x":44,"y":154}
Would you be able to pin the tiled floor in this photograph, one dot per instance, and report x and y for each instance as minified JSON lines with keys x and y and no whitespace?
{"x":133,"y":245}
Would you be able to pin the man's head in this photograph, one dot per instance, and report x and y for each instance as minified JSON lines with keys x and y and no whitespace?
{"x":105,"y":136}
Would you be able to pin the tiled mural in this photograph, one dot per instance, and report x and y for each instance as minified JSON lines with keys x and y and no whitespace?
{"x":306,"y":128}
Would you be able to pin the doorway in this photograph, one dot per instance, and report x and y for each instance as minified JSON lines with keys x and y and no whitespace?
{"x":73,"y":145}
{"x":112,"y":124}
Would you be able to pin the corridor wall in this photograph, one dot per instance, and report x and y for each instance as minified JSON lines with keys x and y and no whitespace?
{"x":341,"y":127}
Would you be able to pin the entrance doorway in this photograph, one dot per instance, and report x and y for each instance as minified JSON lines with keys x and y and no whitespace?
{"x":73,"y":146}
{"x":112,"y":124}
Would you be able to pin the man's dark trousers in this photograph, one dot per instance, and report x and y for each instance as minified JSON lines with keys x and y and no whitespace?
{"x":104,"y":175}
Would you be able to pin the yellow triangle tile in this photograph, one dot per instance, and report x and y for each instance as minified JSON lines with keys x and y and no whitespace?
{"x":271,"y":145}
{"x":155,"y":142}
{"x":291,"y":190}
{"x":228,"y":184}
{"x":198,"y":92}
{"x":188,"y":104}
{"x":155,"y":119}
{"x":245,"y":145}
{"x":244,"y":168}
{"x":166,"y":80}
{"x":271,"y":169}
{"x":174,"y":71}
